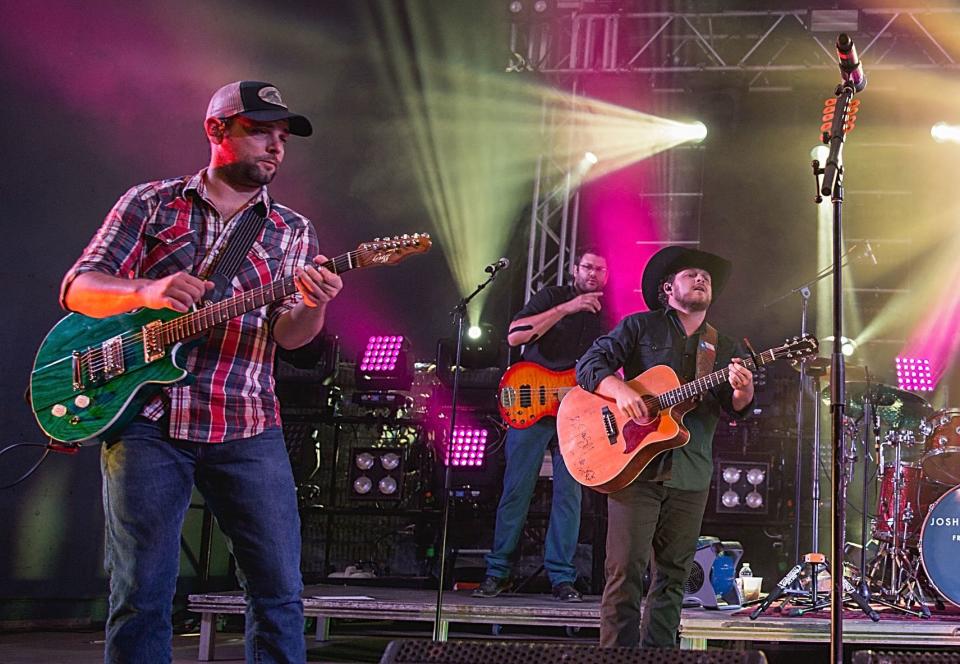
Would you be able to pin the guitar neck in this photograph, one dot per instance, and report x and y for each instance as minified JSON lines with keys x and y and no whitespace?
{"x":700,"y":385}
{"x":198,"y":322}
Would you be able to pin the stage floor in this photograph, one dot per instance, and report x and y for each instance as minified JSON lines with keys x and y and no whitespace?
{"x":698,"y":626}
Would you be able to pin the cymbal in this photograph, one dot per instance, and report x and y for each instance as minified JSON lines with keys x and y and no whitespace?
{"x":821,"y":367}
{"x":897,"y":408}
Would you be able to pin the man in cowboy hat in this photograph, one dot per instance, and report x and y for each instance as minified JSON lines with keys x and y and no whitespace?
{"x":662,"y":510}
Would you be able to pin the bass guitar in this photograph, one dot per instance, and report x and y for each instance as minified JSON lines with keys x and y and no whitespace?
{"x":529,"y":392}
{"x":91,"y":376}
{"x":606,"y":450}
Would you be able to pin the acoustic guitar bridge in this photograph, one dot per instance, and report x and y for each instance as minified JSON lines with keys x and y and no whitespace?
{"x":609,"y":424}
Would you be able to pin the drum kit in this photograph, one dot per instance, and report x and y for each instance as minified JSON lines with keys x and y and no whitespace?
{"x":916,"y":523}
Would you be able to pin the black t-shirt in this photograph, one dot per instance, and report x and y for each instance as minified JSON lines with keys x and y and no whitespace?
{"x":563,"y":344}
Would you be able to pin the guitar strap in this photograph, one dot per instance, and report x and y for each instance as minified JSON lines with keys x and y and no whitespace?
{"x":707,"y":350}
{"x":231,"y":255}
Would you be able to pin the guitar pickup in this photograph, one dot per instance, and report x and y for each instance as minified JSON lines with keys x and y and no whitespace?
{"x":609,"y":424}
{"x":152,"y":341}
{"x":102,"y":363}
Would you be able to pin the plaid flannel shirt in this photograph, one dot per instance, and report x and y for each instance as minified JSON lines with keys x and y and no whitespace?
{"x":162,"y":227}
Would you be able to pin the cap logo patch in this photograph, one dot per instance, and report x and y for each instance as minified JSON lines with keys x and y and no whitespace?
{"x":271,"y":95}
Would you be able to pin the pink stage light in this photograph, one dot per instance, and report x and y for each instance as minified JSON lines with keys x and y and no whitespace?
{"x":381,"y":354}
{"x":384,"y":364}
{"x":467,"y":447}
{"x":914,"y":374}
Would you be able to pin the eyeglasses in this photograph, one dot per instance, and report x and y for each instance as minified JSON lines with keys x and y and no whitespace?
{"x":586,"y":267}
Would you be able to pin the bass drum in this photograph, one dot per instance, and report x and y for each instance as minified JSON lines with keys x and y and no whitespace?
{"x":940,"y":545}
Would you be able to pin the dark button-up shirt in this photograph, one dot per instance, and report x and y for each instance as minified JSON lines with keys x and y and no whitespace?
{"x":562,"y":345}
{"x":643,"y":340}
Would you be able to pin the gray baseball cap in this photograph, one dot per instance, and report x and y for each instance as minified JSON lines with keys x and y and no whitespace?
{"x":258,"y":101}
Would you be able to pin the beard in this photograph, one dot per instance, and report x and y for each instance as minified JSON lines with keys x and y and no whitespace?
{"x":249,"y":174}
{"x":692,"y":302}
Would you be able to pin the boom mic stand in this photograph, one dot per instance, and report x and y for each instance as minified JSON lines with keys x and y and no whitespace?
{"x":459,"y":312}
{"x":793,"y":588}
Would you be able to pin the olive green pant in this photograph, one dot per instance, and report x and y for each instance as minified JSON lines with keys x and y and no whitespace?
{"x":648,"y":517}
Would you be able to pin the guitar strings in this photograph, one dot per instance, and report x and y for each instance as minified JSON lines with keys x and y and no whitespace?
{"x":93,"y":359}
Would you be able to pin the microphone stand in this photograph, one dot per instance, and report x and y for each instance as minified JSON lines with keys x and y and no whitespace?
{"x":459,"y":312}
{"x":804,"y":290}
{"x":832,"y":185}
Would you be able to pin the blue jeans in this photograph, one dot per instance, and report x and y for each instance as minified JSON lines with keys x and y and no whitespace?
{"x":248,"y":485}
{"x":525,"y":449}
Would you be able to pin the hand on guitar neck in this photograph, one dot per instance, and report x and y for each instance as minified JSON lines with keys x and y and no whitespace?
{"x":639,"y":407}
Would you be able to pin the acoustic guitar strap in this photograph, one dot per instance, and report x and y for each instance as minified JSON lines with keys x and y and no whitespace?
{"x":707,"y":351}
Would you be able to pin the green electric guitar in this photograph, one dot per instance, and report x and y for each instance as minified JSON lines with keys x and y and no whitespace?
{"x":93,"y":375}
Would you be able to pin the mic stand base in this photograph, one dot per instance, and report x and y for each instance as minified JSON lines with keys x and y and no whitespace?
{"x":805,"y":601}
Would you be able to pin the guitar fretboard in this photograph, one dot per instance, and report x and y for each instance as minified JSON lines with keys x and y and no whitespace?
{"x":700,"y":385}
{"x":197,"y":322}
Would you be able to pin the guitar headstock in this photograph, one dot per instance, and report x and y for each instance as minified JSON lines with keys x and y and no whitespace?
{"x":392,"y":250}
{"x":797,"y":348}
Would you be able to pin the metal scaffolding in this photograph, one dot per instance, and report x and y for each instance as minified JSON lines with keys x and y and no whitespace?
{"x":762,"y":45}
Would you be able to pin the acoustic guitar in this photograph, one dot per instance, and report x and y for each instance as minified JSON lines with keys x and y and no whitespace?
{"x":606,"y":450}
{"x":91,"y":376}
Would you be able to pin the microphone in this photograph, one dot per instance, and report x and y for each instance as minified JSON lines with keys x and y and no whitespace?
{"x":501,"y":264}
{"x":851,"y":69}
{"x":868,"y":253}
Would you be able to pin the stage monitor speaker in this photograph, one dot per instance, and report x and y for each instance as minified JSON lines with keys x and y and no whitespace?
{"x":495,"y":652}
{"x":873,"y":657}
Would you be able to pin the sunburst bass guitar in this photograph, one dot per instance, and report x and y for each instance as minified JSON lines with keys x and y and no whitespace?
{"x":529,"y":392}
{"x":92,"y":375}
{"x":606,"y":450}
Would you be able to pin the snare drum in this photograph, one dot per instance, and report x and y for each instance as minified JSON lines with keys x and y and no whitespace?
{"x":941,"y":455}
{"x":916,"y":495}
{"x":940,"y":545}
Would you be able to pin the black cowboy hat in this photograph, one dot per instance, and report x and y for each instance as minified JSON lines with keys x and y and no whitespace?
{"x":671,"y":260}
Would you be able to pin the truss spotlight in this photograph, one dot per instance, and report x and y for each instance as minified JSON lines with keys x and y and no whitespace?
{"x":590,"y":158}
{"x":847,"y":346}
{"x":943,"y":133}
{"x":540,"y":6}
{"x":515,"y":7}
{"x":914,"y":374}
{"x":474,"y":332}
{"x":683,"y":132}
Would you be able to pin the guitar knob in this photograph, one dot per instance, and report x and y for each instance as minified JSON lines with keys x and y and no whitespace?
{"x":59,"y":410}
{"x":82,"y":401}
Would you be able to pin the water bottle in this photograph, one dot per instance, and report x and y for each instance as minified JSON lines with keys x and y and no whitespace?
{"x":745,"y":570}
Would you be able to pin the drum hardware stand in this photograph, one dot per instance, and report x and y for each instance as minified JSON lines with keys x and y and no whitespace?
{"x":905,"y":589}
{"x":871,"y":421}
{"x":790,"y":585}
